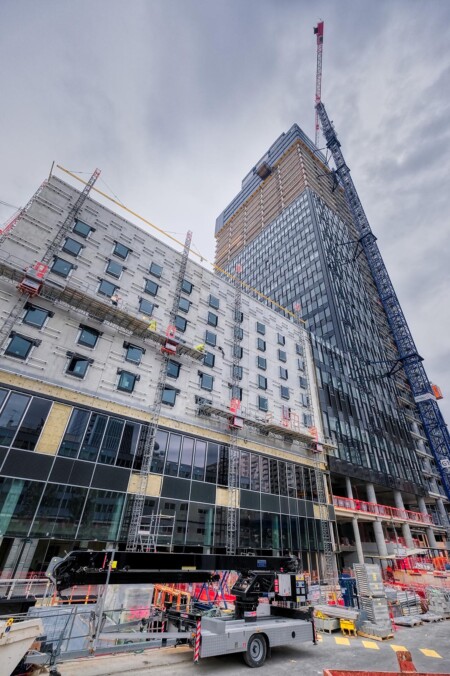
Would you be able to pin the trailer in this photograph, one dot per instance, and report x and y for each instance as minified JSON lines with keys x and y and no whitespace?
{"x":270,"y":607}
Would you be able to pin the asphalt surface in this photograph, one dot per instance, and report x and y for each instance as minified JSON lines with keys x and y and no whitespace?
{"x":331,"y":652}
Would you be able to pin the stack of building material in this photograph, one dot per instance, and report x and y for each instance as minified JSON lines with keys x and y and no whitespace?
{"x":439,"y":601}
{"x":375,"y":620}
{"x":409,"y":603}
{"x":341,"y":612}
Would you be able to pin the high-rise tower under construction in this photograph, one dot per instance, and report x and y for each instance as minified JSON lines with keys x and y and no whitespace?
{"x":292,"y":231}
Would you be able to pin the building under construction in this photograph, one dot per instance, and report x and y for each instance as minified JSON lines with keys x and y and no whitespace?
{"x":146,"y":403}
{"x":294,"y":229}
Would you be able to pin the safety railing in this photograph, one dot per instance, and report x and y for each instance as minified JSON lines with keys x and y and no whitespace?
{"x":385,"y":511}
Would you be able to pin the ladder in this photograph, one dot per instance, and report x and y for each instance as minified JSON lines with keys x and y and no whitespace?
{"x":55,"y":245}
{"x":233,"y":453}
{"x":433,"y":421}
{"x":51,"y":249}
{"x":137,"y":505}
{"x":156,"y":531}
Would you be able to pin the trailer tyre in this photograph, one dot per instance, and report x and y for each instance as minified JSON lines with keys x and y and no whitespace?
{"x":256,"y":652}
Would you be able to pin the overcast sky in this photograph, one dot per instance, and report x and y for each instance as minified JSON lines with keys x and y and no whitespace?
{"x":175,"y":100}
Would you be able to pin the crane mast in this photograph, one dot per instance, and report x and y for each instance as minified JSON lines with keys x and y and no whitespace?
{"x":318,"y":32}
{"x":424,"y":397}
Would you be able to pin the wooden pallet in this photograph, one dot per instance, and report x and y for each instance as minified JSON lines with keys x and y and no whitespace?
{"x":375,"y":638}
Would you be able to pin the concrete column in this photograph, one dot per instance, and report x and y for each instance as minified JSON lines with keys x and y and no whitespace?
{"x":443,"y":512}
{"x":19,"y":559}
{"x":430,"y":533}
{"x":377,"y":527}
{"x":359,"y":549}
{"x":406,"y":530}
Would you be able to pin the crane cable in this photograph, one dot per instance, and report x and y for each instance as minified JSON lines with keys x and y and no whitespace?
{"x":177,"y":241}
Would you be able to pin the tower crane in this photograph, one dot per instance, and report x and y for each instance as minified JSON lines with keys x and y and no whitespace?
{"x":318,"y":32}
{"x":433,"y":422}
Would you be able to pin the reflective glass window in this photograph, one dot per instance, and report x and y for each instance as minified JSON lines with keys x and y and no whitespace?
{"x":180,"y":323}
{"x":61,"y":267}
{"x":19,"y":347}
{"x":71,"y":246}
{"x":263,"y":403}
{"x":184,"y":304}
{"x":262,"y":382}
{"x":186,"y":286}
{"x":187,"y":454}
{"x":106,"y":288}
{"x":210,"y":338}
{"x":146,"y":307}
{"x":78,"y":366}
{"x":10,"y":417}
{"x":88,"y":336}
{"x":284,"y":392}
{"x":261,"y":344}
{"x":214,"y":302}
{"x":169,"y":396}
{"x":260,"y":328}
{"x":128,"y":443}
{"x":35,"y":316}
{"x":82,"y":229}
{"x":173,"y":455}
{"x":199,"y":460}
{"x":206,"y":381}
{"x":111,"y":441}
{"x":159,"y":452}
{"x":134,"y":353}
{"x":282,"y":356}
{"x":212,"y":319}
{"x":212,"y":458}
{"x":151,"y":287}
{"x":74,"y":433}
{"x":93,"y":437}
{"x":32,"y":424}
{"x":127,"y":381}
{"x":261,"y":363}
{"x":155,"y":270}
{"x":209,"y":359}
{"x":173,"y":369}
{"x":121,"y":250}
{"x":114,"y":269}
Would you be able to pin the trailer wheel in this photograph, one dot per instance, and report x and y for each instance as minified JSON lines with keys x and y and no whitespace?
{"x":256,"y":652}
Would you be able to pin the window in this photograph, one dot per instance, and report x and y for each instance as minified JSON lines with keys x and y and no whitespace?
{"x":260,"y":328}
{"x":261,"y":363}
{"x":206,"y":381}
{"x":121,"y":250}
{"x":88,"y":336}
{"x":169,"y":395}
{"x":155,"y":270}
{"x":146,"y":306}
{"x":61,"y":267}
{"x":180,"y":323}
{"x":213,"y":301}
{"x":238,"y":316}
{"x":283,"y":373}
{"x":78,"y":365}
{"x":282,"y":355}
{"x":298,"y":348}
{"x":82,"y":229}
{"x":151,"y":287}
{"x":238,"y":333}
{"x":71,"y":246}
{"x":303,"y":382}
{"x":184,"y":304}
{"x":186,"y":286}
{"x":114,"y":269}
{"x":210,"y":338}
{"x":262,"y":382}
{"x":301,"y":364}
{"x":36,"y":316}
{"x":133,"y":353}
{"x":209,"y":359}
{"x":281,"y":339}
{"x":20,"y":346}
{"x":127,"y":381}
{"x":261,"y":344}
{"x":238,"y":372}
{"x":307,"y":419}
{"x":107,"y":288}
{"x":238,"y":351}
{"x":173,"y":369}
{"x":263,"y":403}
{"x":304,"y":399}
{"x":284,"y":392}
{"x":212,"y":319}
{"x":236,"y":392}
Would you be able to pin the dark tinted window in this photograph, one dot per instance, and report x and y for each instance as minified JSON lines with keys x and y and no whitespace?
{"x":78,"y":366}
{"x":71,"y":246}
{"x":180,"y":323}
{"x":111,"y":440}
{"x":127,"y":381}
{"x":169,"y":396}
{"x":74,"y":433}
{"x":93,"y":437}
{"x":61,"y":267}
{"x":82,"y":229}
{"x":19,"y":347}
{"x":121,"y":250}
{"x":173,"y":369}
{"x":35,"y":316}
{"x":11,"y":416}
{"x":88,"y":336}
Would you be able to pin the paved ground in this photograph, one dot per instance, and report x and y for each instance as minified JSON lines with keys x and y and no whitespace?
{"x":429,"y":646}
